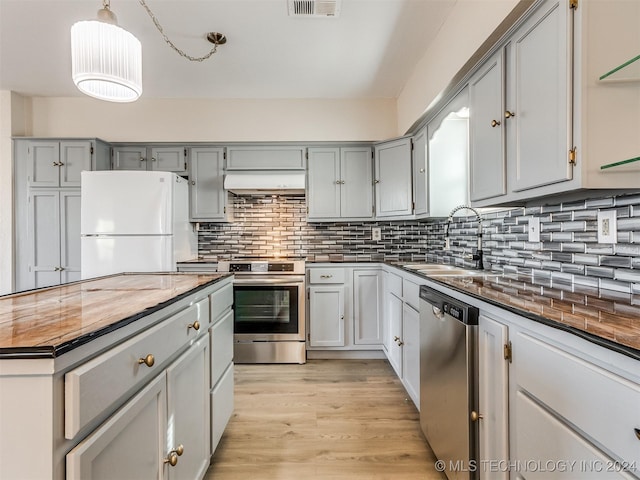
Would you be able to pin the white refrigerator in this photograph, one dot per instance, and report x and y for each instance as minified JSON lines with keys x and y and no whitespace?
{"x":134,"y":222}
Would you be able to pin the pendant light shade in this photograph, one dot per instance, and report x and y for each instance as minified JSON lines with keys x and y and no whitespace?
{"x":106,"y":61}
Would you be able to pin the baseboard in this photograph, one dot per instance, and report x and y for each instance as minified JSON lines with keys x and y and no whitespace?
{"x":345,"y":354}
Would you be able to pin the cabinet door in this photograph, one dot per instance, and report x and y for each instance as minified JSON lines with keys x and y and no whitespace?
{"x":493,"y":395}
{"x":395,"y":332}
{"x":75,"y":156}
{"x":323,"y":183}
{"x":411,"y":352}
{"x":221,"y":406}
{"x":538,"y":135}
{"x":486,"y":131}
{"x":207,"y":194}
{"x":70,"y":235}
{"x":393,"y":178}
{"x":420,"y":178}
{"x":43,"y":168}
{"x":169,"y":159}
{"x":129,"y":444}
{"x":130,"y":158}
{"x":367,"y":289}
{"x":326,"y":316}
{"x":266,"y":158}
{"x":44,"y":238}
{"x":221,"y":337}
{"x":356,"y":187}
{"x":188,"y":412}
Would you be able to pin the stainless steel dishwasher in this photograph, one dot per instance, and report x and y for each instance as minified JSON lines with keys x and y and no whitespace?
{"x":448,"y":393}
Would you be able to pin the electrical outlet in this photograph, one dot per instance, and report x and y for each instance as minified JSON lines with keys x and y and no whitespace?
{"x":376,"y":234}
{"x":607,"y":226}
{"x":534,"y":229}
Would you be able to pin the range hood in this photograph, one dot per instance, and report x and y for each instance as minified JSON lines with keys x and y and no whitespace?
{"x":265,"y":182}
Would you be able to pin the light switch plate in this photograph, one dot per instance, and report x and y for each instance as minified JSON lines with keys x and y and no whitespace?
{"x":534,"y":229}
{"x":376,"y":234}
{"x":607,"y":226}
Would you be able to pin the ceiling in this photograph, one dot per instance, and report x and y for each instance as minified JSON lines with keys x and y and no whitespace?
{"x":368,"y":51}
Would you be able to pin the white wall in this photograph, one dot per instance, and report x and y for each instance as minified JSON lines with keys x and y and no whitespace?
{"x":14,"y":120}
{"x":469,"y":24}
{"x":202,"y":120}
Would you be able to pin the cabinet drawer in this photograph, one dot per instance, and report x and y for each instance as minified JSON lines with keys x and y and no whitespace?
{"x":411,"y":293}
{"x":596,"y":401}
{"x":221,"y":338}
{"x":326,"y":275}
{"x":221,"y":301}
{"x":103,"y":382}
{"x":202,"y":313}
{"x":221,"y":406}
{"x":394,"y":284}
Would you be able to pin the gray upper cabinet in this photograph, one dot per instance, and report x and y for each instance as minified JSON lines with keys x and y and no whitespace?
{"x":58,"y":163}
{"x":265,"y":157}
{"x":155,"y":158}
{"x":488,"y":176}
{"x":537,"y":110}
{"x":339,"y":183}
{"x":420,"y":174}
{"x":208,"y":199}
{"x":393,"y":182}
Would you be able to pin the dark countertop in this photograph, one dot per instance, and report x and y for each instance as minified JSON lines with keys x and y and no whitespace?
{"x":604,"y":317}
{"x":48,"y":322}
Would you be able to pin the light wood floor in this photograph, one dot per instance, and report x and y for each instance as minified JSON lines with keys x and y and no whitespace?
{"x":327,"y":419}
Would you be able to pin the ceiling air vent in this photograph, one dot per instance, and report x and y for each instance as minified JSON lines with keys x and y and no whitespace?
{"x":314,"y":8}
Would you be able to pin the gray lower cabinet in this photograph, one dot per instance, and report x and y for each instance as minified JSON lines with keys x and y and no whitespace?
{"x":47,"y":207}
{"x":367,"y":290}
{"x":393,"y":180}
{"x":339,"y":186}
{"x":171,"y":158}
{"x":326,"y":316}
{"x":207,"y":197}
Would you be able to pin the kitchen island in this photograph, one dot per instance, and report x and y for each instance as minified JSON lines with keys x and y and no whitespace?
{"x":90,"y":369}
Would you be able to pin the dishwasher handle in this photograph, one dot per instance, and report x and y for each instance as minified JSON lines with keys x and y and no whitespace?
{"x":437,"y":311}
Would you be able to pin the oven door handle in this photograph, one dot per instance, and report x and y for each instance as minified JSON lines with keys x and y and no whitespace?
{"x":267,"y":281}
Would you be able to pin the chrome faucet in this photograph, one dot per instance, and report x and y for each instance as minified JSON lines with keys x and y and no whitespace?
{"x":478,"y":255}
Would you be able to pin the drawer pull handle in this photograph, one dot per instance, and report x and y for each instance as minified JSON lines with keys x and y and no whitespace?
{"x":326,"y":276}
{"x":172,"y":459}
{"x":637,"y":430}
{"x":475,"y":416}
{"x":195,"y":325}
{"x":149,"y":360}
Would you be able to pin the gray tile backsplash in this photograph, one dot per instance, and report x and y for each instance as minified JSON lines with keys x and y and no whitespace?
{"x":568,"y":251}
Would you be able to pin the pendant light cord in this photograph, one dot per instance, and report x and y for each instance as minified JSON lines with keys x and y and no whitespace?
{"x":170,"y":43}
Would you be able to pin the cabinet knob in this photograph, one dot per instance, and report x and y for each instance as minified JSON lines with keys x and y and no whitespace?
{"x":149,"y":360}
{"x":375,"y":182}
{"x":172,"y":459}
{"x":179,"y":450}
{"x":475,"y":416}
{"x":494,"y":123}
{"x":341,"y":182}
{"x":395,"y":339}
{"x":637,"y":430}
{"x":195,"y":325}
{"x":509,"y":114}
{"x":153,"y":159}
{"x":193,"y":182}
{"x":422,"y":170}
{"x":142,"y":159}
{"x":400,"y":343}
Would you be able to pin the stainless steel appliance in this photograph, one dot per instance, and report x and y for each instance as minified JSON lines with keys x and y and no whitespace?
{"x":448,"y":393}
{"x":269,"y":310}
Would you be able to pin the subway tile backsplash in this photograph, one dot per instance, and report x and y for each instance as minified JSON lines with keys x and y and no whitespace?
{"x":569,"y":252}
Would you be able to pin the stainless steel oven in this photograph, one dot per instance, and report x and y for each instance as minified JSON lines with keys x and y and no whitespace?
{"x":269,"y":310}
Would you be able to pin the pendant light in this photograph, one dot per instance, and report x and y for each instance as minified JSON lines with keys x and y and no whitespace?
{"x":106,"y":59}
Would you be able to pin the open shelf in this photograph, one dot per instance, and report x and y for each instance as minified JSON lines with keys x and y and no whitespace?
{"x":629,"y":71}
{"x":621,"y":162}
